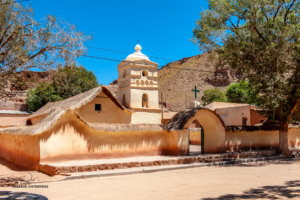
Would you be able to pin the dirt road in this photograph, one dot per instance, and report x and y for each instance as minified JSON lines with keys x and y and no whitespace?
{"x":266,"y":181}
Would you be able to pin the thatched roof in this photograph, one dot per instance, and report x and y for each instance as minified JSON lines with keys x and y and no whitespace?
{"x":45,"y":124}
{"x":181,"y":118}
{"x":55,"y":114}
{"x":126,"y":127}
{"x":77,"y":101}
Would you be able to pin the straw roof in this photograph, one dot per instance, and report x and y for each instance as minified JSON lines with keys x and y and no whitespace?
{"x":77,"y":101}
{"x":45,"y":124}
{"x":181,"y":118}
{"x":55,"y":114}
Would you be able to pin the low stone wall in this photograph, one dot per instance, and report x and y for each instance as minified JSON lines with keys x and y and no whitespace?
{"x":55,"y":170}
{"x":258,"y":140}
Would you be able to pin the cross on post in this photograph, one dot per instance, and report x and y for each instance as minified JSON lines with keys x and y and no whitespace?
{"x":138,"y":41}
{"x":196,"y":91}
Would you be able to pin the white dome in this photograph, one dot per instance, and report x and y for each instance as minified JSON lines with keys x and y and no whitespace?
{"x":137,"y":55}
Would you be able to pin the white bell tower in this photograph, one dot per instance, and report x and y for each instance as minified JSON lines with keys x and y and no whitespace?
{"x":138,"y":87}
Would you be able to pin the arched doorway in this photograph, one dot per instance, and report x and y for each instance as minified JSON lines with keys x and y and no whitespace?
{"x":213,"y":137}
{"x":195,"y":138}
{"x":213,"y":134}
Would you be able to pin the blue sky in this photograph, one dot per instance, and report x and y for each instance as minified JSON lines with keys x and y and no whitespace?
{"x":164,"y":28}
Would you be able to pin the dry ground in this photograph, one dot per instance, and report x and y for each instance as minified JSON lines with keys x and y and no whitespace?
{"x":279,"y":180}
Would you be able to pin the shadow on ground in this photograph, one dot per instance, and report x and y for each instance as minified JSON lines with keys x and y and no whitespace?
{"x":266,"y":163}
{"x":20,"y":195}
{"x":291,"y":189}
{"x":12,"y":166}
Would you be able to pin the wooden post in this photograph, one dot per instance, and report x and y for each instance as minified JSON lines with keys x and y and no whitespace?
{"x":162,"y":108}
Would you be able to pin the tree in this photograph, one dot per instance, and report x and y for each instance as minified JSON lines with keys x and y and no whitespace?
{"x":41,"y":95}
{"x":260,"y":40}
{"x":242,"y":92}
{"x":66,"y":82}
{"x":71,"y":80}
{"x":26,"y":44}
{"x":213,"y":95}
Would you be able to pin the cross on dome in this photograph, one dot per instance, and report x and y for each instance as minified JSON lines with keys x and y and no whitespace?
{"x":137,"y":55}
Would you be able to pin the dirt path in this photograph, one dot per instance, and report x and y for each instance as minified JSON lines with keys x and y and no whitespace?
{"x":266,"y":181}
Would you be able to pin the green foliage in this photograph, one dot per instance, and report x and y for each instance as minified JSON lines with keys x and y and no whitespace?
{"x":242,"y":92}
{"x":41,"y":95}
{"x":66,"y":82}
{"x":71,"y":80}
{"x":260,"y":40}
{"x":213,"y":95}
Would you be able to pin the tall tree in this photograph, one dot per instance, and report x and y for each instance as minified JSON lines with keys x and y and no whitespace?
{"x":242,"y":92}
{"x":26,"y":44}
{"x":213,"y":95}
{"x":260,"y":39}
{"x":69,"y":81}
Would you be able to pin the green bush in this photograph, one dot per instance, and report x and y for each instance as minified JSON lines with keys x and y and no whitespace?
{"x":66,"y":82}
{"x":41,"y":95}
{"x":213,"y":95}
{"x":242,"y":92}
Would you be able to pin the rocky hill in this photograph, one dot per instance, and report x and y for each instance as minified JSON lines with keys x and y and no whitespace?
{"x":177,"y":79}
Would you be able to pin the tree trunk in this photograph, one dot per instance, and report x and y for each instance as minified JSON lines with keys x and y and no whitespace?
{"x":283,"y":139}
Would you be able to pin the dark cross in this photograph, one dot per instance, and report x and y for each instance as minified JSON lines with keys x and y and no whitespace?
{"x":195,"y":90}
{"x":138,"y":41}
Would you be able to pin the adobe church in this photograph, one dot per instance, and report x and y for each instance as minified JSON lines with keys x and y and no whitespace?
{"x":137,"y":101}
{"x":96,"y":125}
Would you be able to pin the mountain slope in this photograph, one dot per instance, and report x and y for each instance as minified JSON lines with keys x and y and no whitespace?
{"x":176,"y":84}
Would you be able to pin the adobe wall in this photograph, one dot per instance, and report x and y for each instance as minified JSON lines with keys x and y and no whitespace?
{"x":146,"y":116}
{"x":110,"y":112}
{"x":21,"y":150}
{"x":36,"y":120}
{"x":258,"y":140}
{"x":235,"y":115}
{"x":71,"y":139}
{"x":195,"y":136}
{"x":256,"y":118}
{"x":10,"y":120}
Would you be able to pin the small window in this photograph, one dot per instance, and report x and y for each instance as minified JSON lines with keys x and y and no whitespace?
{"x":98,"y":107}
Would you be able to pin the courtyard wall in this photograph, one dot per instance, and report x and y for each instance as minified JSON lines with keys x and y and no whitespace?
{"x":258,"y":140}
